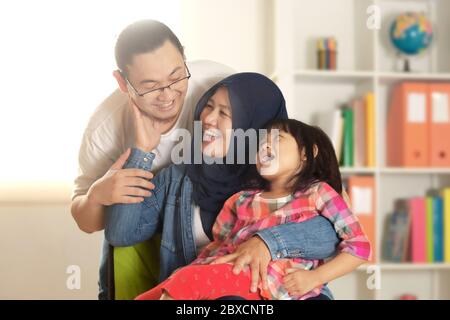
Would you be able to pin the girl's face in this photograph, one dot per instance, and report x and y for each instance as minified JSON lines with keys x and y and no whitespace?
{"x":278,"y":156}
{"x":217,"y":123}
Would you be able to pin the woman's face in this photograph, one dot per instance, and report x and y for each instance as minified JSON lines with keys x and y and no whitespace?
{"x":217,"y":123}
{"x":278,"y":156}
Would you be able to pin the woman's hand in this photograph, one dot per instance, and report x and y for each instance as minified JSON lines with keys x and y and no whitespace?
{"x":299,"y":282}
{"x":147,"y":130}
{"x":253,"y":252}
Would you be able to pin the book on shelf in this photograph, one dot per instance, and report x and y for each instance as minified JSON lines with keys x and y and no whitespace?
{"x":397,"y":234}
{"x":438,"y":229}
{"x":351,"y":129}
{"x":369,"y":100}
{"x":417,"y":211}
{"x":332,"y":124}
{"x":429,"y":228}
{"x":359,"y":132}
{"x":446,"y":218}
{"x":346,"y":156}
{"x":362,"y":198}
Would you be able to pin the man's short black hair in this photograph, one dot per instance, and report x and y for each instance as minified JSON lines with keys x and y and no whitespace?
{"x":141,"y":37}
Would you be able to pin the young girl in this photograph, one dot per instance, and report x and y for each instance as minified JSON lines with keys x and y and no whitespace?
{"x":299,"y":179}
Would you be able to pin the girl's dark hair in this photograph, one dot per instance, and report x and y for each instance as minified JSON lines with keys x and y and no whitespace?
{"x":141,"y":37}
{"x":324,"y":167}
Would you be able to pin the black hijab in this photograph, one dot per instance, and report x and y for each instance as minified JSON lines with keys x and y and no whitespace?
{"x":255,"y":100}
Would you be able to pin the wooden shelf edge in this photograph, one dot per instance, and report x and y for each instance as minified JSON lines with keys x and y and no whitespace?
{"x":387,"y":266}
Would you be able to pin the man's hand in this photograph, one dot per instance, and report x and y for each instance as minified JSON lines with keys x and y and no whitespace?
{"x":121,"y":185}
{"x":147,"y":130}
{"x":299,"y":282}
{"x":253,"y":252}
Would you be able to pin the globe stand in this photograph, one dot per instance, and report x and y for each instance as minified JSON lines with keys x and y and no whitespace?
{"x":403,"y":62}
{"x":406,"y":65}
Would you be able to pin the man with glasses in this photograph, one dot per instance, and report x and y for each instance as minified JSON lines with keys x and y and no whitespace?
{"x":153,"y":76}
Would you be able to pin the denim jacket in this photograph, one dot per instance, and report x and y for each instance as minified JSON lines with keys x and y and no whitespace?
{"x":170,"y":208}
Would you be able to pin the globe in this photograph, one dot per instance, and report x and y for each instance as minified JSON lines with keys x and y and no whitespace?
{"x":411,"y":33}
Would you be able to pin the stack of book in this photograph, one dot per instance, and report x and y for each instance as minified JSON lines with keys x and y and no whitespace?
{"x":352,"y":131}
{"x":418,"y":230}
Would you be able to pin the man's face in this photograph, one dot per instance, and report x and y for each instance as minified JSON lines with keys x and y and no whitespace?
{"x":157,"y":69}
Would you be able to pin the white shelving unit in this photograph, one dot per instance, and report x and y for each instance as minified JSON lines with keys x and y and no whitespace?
{"x":366,"y":62}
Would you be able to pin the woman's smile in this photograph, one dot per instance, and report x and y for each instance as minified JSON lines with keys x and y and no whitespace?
{"x":211,"y":134}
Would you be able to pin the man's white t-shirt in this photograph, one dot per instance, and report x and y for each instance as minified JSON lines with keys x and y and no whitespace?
{"x":110,"y":130}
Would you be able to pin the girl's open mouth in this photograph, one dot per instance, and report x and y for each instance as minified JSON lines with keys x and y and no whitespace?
{"x":266,"y":158}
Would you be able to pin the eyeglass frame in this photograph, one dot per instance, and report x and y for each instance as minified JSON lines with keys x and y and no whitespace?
{"x":161,"y":89}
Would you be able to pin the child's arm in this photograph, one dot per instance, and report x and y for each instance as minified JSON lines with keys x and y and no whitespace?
{"x":128,"y":224}
{"x":340,"y":265}
{"x":354,"y":247}
{"x":333,"y":207}
{"x":300,"y":282}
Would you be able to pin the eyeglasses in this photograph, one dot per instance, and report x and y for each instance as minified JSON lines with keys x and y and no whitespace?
{"x":176,"y":85}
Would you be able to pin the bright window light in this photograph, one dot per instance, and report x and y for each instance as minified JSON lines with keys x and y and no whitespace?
{"x":57,"y":59}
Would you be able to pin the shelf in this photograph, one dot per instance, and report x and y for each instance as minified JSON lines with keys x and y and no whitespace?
{"x":395,"y":170}
{"x":392,"y":77}
{"x":351,"y":170}
{"x":415,"y":170}
{"x":407,"y":266}
{"x":334,"y":75}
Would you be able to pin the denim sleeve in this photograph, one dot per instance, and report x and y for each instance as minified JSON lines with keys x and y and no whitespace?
{"x":129,"y":224}
{"x":311,"y":239}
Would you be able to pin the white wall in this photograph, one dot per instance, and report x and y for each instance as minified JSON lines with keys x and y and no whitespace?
{"x":38,"y":237}
{"x":37,"y":244}
{"x":235,"y":32}
{"x":58,"y":62}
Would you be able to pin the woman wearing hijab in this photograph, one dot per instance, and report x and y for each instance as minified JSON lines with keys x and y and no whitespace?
{"x":187,"y":198}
